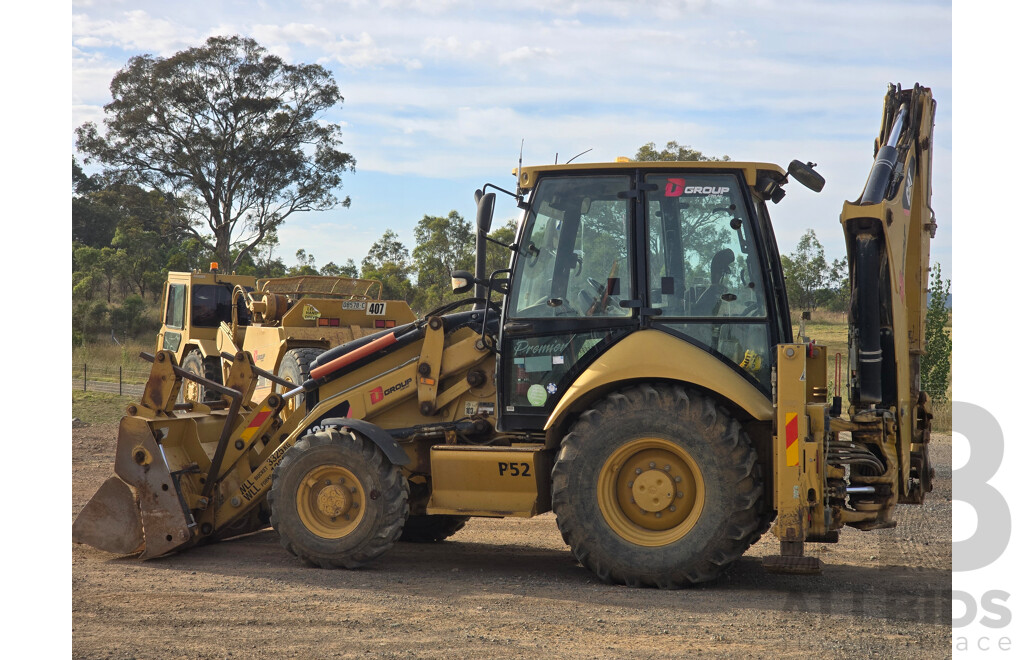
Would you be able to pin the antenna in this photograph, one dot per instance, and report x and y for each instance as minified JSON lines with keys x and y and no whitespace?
{"x":519,"y":172}
{"x":576,"y":156}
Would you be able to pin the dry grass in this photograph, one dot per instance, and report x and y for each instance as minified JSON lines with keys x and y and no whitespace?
{"x":829,"y":329}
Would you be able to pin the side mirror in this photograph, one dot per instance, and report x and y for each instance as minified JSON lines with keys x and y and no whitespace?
{"x":484,"y":210}
{"x":805,"y":174}
{"x":462,"y":281}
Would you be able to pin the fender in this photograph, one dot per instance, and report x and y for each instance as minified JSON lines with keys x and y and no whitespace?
{"x":655,"y":355}
{"x":379,"y":436}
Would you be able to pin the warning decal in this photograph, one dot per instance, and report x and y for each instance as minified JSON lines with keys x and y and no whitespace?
{"x":310,"y":313}
{"x":792,"y":446}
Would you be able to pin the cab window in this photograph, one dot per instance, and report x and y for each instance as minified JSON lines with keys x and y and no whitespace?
{"x":574,"y":258}
{"x":175,"y":313}
{"x":211,"y":304}
{"x":702,"y":260}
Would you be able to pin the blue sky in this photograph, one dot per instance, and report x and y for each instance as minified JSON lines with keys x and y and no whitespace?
{"x":440,"y":94}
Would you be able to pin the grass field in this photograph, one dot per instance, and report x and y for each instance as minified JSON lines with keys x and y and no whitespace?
{"x":97,"y":407}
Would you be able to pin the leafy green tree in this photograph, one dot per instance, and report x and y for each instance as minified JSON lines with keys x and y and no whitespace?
{"x":443,"y":244}
{"x":88,"y":317}
{"x":82,"y":183}
{"x":232,"y":131}
{"x":306,"y":264}
{"x":94,"y":268}
{"x":127,"y":320}
{"x":937,"y":363}
{"x":188,"y":254}
{"x":836,"y":298}
{"x":388,"y":261}
{"x":334,"y":270}
{"x":807,"y":272}
{"x":498,"y":256}
{"x":673,"y":151}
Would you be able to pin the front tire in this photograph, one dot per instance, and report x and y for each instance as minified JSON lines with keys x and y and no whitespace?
{"x":657,"y":485}
{"x":295,"y":368}
{"x":337,"y":501}
{"x":208,"y":368}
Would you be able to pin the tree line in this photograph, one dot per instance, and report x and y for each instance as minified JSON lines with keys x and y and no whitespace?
{"x":125,"y":239}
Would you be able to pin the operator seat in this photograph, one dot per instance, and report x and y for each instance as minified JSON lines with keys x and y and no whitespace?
{"x":707,"y":304}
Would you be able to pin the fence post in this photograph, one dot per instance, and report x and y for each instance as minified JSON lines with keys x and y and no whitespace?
{"x":85,"y":377}
{"x":119,"y":392}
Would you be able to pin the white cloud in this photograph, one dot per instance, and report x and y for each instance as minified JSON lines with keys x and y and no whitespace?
{"x":453,"y":47}
{"x":526,"y":54}
{"x":133,"y":30}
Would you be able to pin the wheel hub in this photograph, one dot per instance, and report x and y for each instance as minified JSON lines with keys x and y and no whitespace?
{"x":653,"y":490}
{"x":333,"y":500}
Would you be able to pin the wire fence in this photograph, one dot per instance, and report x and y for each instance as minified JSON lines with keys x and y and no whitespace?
{"x":109,"y":380}
{"x":131,"y":382}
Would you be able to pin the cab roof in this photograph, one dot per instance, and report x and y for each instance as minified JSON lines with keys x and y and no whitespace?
{"x":528,"y":176}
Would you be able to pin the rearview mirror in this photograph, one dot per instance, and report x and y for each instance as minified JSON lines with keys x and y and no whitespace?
{"x":805,"y":174}
{"x":484,"y":210}
{"x":462,"y":281}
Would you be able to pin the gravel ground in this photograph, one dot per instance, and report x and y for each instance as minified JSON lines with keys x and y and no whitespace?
{"x":509,"y":588}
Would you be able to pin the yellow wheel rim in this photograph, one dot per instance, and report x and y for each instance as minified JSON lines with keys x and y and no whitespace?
{"x":650,"y":491}
{"x":330,"y":501}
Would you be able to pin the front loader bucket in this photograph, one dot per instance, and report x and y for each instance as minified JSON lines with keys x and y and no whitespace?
{"x":110,"y":521}
{"x":141,"y":508}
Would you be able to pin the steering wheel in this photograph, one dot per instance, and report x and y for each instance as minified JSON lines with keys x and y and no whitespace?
{"x":601,"y":301}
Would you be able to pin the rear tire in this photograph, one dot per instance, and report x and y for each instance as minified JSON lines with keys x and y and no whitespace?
{"x":208,"y":368}
{"x":657,"y":485}
{"x":431,"y":529}
{"x":337,"y":501}
{"x":295,"y":367}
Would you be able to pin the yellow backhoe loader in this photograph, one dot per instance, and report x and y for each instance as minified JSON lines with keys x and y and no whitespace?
{"x":639,"y":378}
{"x":284,"y":322}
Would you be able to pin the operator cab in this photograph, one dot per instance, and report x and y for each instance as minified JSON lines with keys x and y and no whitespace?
{"x":606,"y":250}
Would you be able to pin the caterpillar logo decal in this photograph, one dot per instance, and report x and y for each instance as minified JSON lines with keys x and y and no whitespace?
{"x":377,"y":394}
{"x":310,"y":313}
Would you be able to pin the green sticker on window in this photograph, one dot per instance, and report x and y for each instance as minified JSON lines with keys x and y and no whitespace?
{"x":536,"y":395}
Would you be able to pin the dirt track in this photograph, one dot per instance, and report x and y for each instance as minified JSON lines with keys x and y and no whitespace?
{"x":508,"y":588}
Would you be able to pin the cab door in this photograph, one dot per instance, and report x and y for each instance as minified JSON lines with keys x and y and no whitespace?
{"x":573,"y":291}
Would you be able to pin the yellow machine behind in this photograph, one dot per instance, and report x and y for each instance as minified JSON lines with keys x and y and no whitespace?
{"x":639,"y":378}
{"x":284,"y":322}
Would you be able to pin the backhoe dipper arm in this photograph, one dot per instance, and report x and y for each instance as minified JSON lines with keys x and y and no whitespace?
{"x":888,"y":232}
